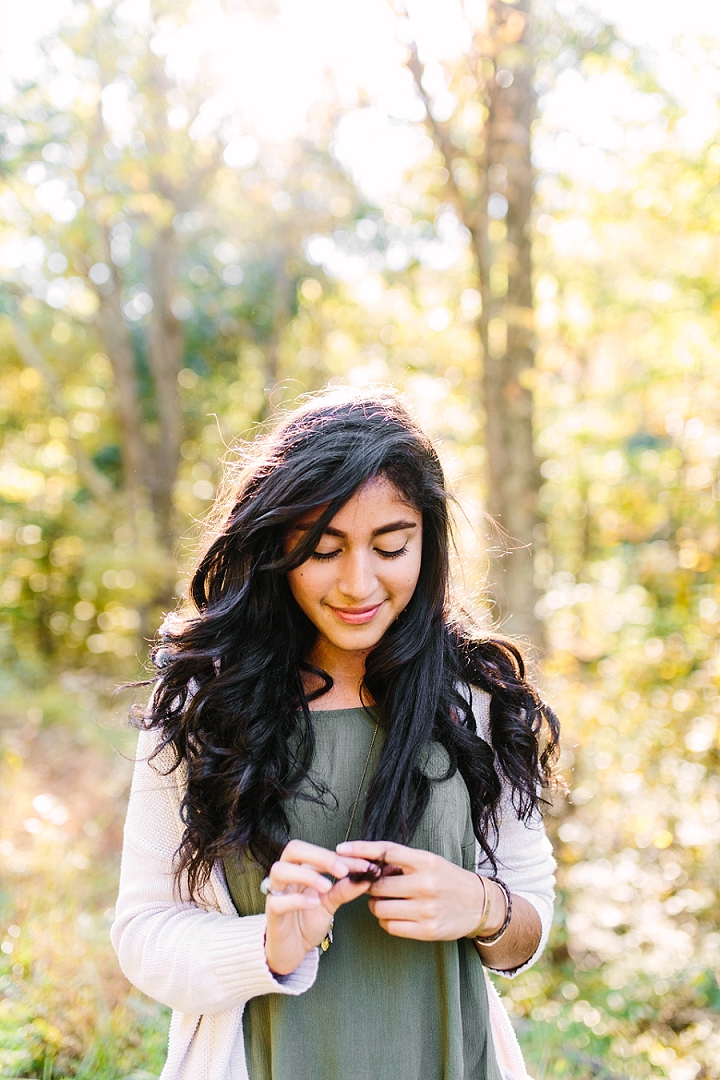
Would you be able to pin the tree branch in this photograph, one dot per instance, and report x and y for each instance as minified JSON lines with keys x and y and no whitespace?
{"x":474,"y":220}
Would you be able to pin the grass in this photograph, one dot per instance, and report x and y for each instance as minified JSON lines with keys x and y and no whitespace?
{"x":66,"y":1009}
{"x":551,"y":1054}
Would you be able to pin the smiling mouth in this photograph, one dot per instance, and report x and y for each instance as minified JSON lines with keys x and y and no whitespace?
{"x":357,"y":615}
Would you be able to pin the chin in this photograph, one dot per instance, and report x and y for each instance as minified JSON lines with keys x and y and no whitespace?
{"x":357,"y":642}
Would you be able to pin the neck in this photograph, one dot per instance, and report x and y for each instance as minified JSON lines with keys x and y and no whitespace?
{"x":346,"y":669}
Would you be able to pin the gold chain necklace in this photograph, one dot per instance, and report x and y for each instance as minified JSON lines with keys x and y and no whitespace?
{"x":327,"y":940}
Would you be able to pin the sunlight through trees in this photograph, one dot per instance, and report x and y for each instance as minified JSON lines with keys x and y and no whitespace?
{"x":513,"y":221}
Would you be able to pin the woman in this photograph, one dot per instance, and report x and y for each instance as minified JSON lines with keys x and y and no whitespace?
{"x":334,"y":822}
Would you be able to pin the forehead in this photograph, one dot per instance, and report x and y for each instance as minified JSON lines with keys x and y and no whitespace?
{"x":377,"y":502}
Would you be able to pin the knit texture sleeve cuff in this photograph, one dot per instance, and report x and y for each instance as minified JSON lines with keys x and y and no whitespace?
{"x":238,"y":958}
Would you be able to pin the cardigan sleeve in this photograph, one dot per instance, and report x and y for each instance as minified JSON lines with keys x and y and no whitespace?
{"x":524,"y":855}
{"x":195,"y":957}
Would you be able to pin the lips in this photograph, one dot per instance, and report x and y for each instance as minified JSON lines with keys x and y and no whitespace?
{"x":357,"y":616}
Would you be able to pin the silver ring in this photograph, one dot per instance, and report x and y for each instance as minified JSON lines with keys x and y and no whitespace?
{"x":266,"y":887}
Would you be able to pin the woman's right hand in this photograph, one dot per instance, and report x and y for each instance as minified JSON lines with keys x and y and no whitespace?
{"x":299,"y":918}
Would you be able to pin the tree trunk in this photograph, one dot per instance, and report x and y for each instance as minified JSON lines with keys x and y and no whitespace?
{"x":118,"y":346}
{"x":508,"y":336}
{"x":505,"y":326}
{"x":148,"y":475}
{"x":165,"y":356}
{"x":283,"y":296}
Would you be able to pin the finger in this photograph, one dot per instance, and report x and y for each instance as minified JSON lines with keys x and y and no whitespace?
{"x":415,"y":930}
{"x":292,"y":901}
{"x":298,"y":851}
{"x":284,"y":874}
{"x":405,"y":910}
{"x":402,"y":886}
{"x":385,"y":851}
{"x":357,"y":865}
{"x":345,"y":891}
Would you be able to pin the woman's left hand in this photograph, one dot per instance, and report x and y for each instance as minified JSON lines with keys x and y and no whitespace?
{"x":432,"y":900}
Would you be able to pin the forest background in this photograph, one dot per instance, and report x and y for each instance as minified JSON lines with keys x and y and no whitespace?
{"x":202,"y":217}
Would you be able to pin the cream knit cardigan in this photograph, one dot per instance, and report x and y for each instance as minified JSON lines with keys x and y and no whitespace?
{"x":206,"y":962}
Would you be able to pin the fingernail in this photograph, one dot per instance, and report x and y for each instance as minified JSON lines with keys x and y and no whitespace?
{"x":341,"y":870}
{"x":344,"y":848}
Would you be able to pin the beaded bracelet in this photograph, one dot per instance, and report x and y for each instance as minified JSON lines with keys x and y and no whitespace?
{"x":506,"y":922}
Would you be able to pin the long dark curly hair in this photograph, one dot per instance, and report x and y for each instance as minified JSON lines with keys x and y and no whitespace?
{"x":229,"y":697}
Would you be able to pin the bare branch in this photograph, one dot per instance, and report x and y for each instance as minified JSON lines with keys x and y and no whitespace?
{"x":474,"y":219}
{"x":439,"y":130}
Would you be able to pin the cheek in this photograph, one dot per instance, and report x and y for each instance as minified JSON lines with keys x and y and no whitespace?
{"x":306,"y":585}
{"x":295,"y":581}
{"x":406,"y":579}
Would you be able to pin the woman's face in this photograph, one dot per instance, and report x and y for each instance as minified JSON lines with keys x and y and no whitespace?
{"x":364,"y":569}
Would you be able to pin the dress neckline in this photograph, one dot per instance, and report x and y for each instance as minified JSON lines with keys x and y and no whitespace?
{"x":344,"y":712}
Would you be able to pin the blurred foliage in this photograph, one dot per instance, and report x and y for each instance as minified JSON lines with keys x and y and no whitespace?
{"x":65,"y":1009}
{"x":288,"y":278}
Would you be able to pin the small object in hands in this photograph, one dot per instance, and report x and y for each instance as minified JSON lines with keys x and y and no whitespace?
{"x":374,"y":872}
{"x":508,"y":915}
{"x":266,"y":887}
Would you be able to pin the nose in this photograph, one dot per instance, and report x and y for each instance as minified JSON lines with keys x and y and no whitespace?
{"x":357,"y":578}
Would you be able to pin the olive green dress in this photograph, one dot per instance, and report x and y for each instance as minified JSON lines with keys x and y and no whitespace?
{"x":381,"y":1008}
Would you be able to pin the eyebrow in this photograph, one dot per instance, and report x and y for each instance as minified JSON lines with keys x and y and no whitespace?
{"x":395,"y":526}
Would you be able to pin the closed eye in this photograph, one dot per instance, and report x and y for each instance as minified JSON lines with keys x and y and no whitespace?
{"x":392,"y":554}
{"x":325,"y":556}
{"x":322,"y":556}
